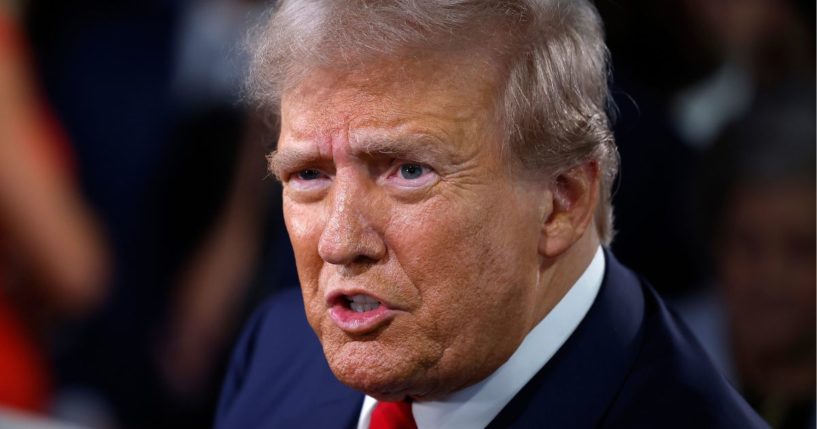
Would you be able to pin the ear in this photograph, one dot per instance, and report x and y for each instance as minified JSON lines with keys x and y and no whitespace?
{"x":574,"y":195}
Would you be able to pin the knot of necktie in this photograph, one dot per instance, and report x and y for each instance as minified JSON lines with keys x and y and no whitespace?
{"x":392,"y":415}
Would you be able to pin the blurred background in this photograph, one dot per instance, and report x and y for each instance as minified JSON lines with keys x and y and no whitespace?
{"x":138,"y":225}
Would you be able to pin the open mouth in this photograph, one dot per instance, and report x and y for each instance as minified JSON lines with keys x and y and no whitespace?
{"x":358,"y":313}
{"x":361,"y":303}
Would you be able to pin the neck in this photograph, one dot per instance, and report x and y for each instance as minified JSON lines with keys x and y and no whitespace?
{"x":557,"y":275}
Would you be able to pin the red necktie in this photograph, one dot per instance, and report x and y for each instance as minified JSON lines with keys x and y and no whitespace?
{"x":392,"y":415}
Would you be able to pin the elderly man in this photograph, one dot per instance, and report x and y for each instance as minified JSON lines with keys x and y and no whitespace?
{"x":447,"y":169}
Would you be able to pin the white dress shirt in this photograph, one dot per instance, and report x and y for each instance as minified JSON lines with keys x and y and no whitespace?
{"x":477,"y":405}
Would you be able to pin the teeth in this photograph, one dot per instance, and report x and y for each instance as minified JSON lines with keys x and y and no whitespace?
{"x":363,"y":303}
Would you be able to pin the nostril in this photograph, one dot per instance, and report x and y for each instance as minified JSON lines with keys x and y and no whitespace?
{"x":364,"y":260}
{"x":364,"y":248}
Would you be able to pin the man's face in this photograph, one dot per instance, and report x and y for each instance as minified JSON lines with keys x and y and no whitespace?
{"x":416,"y":247}
{"x":767,"y":270}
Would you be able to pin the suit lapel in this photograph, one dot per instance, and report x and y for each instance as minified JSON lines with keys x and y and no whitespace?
{"x":340,"y":413}
{"x":327,"y":403}
{"x":576,"y":386}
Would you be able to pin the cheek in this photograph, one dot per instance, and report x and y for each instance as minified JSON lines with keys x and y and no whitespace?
{"x":299,"y":225}
{"x":429,"y":241}
{"x":437,"y":243}
{"x":304,"y":225}
{"x":467,"y":264}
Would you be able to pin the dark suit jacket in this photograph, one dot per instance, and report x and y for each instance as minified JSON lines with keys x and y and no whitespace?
{"x":630,"y":364}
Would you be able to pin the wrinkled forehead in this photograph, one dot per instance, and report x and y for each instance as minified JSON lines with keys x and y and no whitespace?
{"x":454,"y":87}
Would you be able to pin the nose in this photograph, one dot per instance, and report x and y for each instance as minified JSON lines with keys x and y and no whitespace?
{"x":349,"y":235}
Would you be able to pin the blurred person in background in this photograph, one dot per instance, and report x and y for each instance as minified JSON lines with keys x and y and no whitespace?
{"x":683,"y":69}
{"x":758,"y":321}
{"x":221,"y":279}
{"x":104,"y":66}
{"x":754,"y":45}
{"x":149,"y":93}
{"x":53,"y":259}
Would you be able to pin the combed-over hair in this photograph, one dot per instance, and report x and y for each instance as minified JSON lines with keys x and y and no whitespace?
{"x":553,"y":97}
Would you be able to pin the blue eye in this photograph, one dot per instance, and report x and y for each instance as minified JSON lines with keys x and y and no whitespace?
{"x":309,"y":174}
{"x":411,"y":171}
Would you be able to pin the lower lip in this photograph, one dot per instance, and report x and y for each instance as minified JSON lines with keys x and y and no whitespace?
{"x":359,"y":323}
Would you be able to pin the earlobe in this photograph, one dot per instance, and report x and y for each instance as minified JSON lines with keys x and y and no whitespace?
{"x":573,"y":199}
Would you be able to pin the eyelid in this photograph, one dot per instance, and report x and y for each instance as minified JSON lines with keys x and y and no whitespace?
{"x":393,"y":175}
{"x":291,"y":172}
{"x":286,"y":162}
{"x":306,"y":186}
{"x":319,"y":172}
{"x":397,"y":162}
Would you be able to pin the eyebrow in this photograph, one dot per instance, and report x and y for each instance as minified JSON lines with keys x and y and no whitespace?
{"x":287,"y":160}
{"x":419,"y":147}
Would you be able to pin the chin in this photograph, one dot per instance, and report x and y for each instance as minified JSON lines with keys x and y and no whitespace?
{"x":377,"y":370}
{"x":385,"y":370}
{"x":394,"y":362}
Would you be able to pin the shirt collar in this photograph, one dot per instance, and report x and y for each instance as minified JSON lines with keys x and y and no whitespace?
{"x":476,"y":405}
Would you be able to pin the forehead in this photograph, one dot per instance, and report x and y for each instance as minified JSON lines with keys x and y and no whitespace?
{"x":439,"y":90}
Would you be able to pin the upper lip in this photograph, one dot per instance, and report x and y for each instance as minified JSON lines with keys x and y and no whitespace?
{"x":337,"y":296}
